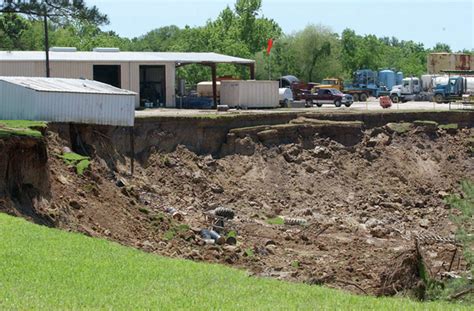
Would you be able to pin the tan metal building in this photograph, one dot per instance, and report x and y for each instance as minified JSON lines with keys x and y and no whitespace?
{"x":449,"y":61}
{"x":152,"y":75}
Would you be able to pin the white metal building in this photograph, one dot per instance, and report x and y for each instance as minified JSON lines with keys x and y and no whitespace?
{"x":65,"y":100}
{"x":152,"y":75}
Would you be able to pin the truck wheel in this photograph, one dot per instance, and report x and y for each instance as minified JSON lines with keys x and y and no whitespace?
{"x":363,"y":97}
{"x":348,"y":104}
{"x":337,"y":103}
{"x":439,"y":98}
{"x":319,"y":104}
{"x":395,"y":99}
{"x":355,"y":97}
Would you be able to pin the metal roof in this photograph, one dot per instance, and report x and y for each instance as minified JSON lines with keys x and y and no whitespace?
{"x":162,"y":57}
{"x":61,"y":85}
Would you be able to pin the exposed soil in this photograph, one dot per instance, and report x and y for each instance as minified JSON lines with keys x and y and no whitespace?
{"x":364,"y":198}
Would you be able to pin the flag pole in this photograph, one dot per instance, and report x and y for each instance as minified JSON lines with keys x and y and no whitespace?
{"x":270,"y":66}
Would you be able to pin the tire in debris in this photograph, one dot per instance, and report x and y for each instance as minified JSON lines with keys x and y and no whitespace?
{"x":295,"y":221}
{"x":224,"y":212}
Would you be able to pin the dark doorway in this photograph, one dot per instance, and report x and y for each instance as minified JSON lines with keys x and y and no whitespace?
{"x":109,"y":74}
{"x":152,"y":86}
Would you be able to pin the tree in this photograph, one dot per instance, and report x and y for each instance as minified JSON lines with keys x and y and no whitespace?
{"x":441,"y":47}
{"x":12,"y":26}
{"x":58,"y":11}
{"x":313,"y":48}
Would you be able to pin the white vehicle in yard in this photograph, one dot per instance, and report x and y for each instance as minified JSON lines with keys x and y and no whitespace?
{"x":410,"y":89}
{"x":329,"y":96}
{"x":286,"y":96}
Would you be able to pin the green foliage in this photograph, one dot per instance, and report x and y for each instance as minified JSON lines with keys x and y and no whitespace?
{"x":249,"y":253}
{"x":450,"y":126}
{"x":232,"y":234}
{"x":295,"y":264}
{"x":81,"y":163}
{"x":465,"y":218}
{"x":401,"y":127}
{"x":370,"y":52}
{"x":21,"y":128}
{"x":169,"y":235}
{"x":90,"y":274}
{"x":59,"y":11}
{"x":276,"y":221}
{"x":144,"y":210}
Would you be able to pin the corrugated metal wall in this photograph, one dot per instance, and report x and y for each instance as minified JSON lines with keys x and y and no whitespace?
{"x":449,"y":61}
{"x":130,"y":73}
{"x":11,"y":96}
{"x":251,"y":94}
{"x":19,"y":103}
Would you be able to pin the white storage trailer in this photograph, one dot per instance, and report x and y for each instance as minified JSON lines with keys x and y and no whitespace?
{"x":65,"y":100}
{"x":250,"y":93}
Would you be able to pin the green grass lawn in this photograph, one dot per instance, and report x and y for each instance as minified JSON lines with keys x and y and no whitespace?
{"x":21,"y":128}
{"x":42,"y":268}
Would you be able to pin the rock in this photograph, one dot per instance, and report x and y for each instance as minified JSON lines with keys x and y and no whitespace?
{"x":379,"y":232}
{"x":321,"y":152}
{"x":443,"y":194}
{"x":197,"y":177}
{"x":169,"y":162}
{"x":244,"y":146}
{"x":372,"y":222}
{"x":426,"y":126}
{"x":66,"y":150}
{"x":74,"y":204}
{"x":63,"y":180}
{"x":217,"y":188}
{"x":381,"y":139}
{"x":424,"y":223}
{"x":121,"y":183}
{"x":308,"y":168}
{"x":268,"y":136}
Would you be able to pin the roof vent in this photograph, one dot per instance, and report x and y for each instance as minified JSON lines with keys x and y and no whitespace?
{"x":62,"y":49}
{"x":106,"y":50}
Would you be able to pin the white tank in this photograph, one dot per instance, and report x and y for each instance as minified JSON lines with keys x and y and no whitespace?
{"x":440,"y":80}
{"x":427,"y":82}
{"x":285,"y":93}
{"x":470,"y":85}
{"x":204,"y":89}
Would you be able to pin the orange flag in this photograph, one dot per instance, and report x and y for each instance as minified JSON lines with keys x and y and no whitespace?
{"x":270,"y":45}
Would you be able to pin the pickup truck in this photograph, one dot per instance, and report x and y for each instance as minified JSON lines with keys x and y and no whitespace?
{"x":329,"y":96}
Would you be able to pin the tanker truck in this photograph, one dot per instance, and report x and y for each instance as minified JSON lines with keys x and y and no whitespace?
{"x":413,"y":88}
{"x":457,"y":88}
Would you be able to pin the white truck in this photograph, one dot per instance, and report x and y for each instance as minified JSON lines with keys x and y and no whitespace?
{"x":413,"y":88}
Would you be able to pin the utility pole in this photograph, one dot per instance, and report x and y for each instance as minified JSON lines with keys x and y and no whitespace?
{"x":46,"y":42}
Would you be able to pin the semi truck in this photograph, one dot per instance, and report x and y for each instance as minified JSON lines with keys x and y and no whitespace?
{"x":365,"y":83}
{"x":457,"y":88}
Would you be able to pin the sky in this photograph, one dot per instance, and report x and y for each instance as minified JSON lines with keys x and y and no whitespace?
{"x":425,"y":21}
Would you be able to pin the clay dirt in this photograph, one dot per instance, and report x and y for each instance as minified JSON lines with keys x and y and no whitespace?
{"x":338,"y":204}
